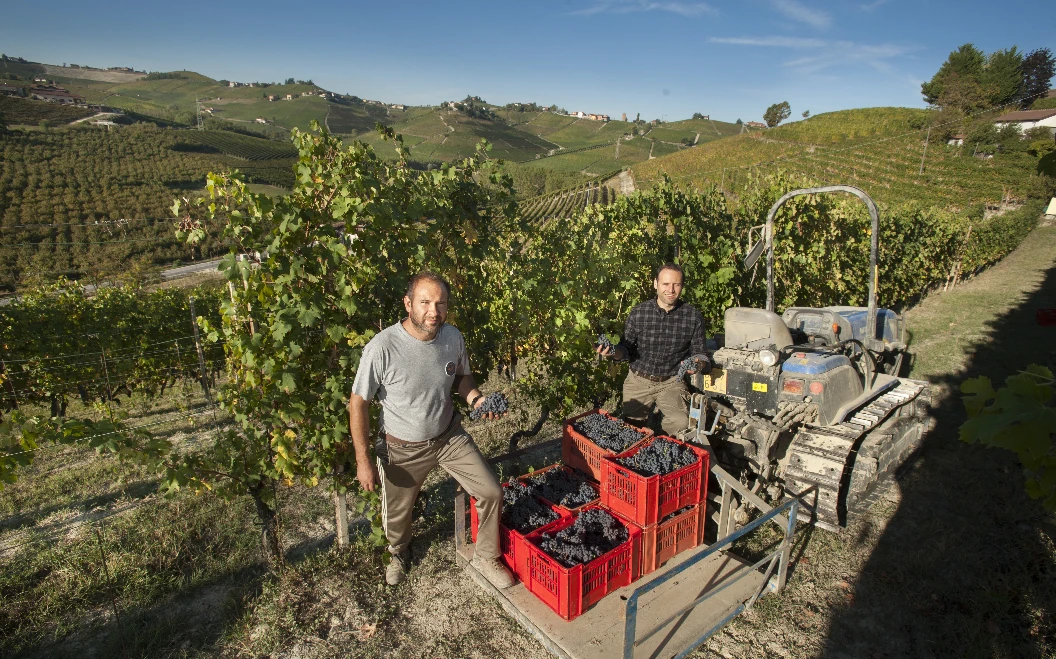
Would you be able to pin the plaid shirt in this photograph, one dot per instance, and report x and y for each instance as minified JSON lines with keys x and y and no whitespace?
{"x":657,"y":341}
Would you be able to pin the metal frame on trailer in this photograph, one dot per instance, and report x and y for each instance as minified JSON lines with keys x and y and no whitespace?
{"x":708,"y":566}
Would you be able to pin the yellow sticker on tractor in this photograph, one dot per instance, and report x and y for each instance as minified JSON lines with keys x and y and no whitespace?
{"x":759,"y":386}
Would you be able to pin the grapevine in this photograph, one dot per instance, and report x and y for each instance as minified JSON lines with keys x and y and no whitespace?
{"x":663,"y":456}
{"x":495,"y":403}
{"x":594,"y":533}
{"x":610,"y":434}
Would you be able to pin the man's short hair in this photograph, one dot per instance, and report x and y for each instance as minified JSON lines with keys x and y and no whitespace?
{"x":670,"y":266}
{"x":425,"y":275}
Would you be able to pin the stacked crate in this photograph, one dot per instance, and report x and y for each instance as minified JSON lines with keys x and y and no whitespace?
{"x":661,"y":514}
{"x":666,"y":507}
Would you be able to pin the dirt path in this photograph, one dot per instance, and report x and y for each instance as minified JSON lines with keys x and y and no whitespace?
{"x":98,"y":115}
{"x":626,"y":182}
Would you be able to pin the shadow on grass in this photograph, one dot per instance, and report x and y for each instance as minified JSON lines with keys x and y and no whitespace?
{"x":965,"y":566}
{"x":137,"y":490}
{"x":178,"y":625}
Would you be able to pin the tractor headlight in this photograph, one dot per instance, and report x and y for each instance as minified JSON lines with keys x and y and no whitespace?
{"x":768,"y":357}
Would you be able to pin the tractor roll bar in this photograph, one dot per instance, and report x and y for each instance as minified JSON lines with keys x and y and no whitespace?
{"x":874,"y":242}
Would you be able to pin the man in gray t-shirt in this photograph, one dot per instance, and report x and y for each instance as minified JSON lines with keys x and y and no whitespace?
{"x":412,"y":367}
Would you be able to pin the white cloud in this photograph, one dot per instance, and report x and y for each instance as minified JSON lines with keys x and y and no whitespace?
{"x":687,"y":9}
{"x":824,"y":54}
{"x":869,"y":6}
{"x":778,"y":42}
{"x":803,"y":14}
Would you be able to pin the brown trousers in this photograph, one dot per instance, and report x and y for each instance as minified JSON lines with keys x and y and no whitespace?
{"x":406,"y":468}
{"x":641,"y":396}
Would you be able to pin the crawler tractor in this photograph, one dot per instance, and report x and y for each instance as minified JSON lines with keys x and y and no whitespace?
{"x":812,"y":401}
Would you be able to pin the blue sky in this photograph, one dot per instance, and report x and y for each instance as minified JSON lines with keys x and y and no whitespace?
{"x":661,"y":59}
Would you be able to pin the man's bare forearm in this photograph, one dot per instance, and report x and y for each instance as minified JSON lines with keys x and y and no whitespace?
{"x":467,"y":387}
{"x":359,"y":426}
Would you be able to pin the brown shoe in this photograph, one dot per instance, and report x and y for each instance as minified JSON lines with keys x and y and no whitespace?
{"x":495,"y":572}
{"x":396,"y":571}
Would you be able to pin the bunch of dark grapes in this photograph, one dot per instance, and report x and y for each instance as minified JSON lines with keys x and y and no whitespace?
{"x":699,"y":364}
{"x":609,"y":434}
{"x":603,"y":341}
{"x":661,"y":457}
{"x":563,"y":488}
{"x":521,"y":511}
{"x":594,"y":532}
{"x":495,"y":403}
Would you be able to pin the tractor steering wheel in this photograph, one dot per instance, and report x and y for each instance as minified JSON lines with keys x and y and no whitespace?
{"x":862,"y":358}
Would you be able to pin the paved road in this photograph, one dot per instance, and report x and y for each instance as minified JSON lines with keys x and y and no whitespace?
{"x":187,"y":270}
{"x":166,"y":275}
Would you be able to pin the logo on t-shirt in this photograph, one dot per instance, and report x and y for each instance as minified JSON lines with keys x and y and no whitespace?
{"x":450,"y":368}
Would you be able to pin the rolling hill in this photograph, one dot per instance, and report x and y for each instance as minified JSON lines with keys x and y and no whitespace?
{"x":877,"y":149}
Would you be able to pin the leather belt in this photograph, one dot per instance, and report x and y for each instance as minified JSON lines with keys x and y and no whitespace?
{"x":651,"y":378}
{"x":393,"y":439}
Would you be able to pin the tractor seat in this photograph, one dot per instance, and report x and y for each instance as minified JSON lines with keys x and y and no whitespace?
{"x":754,"y":329}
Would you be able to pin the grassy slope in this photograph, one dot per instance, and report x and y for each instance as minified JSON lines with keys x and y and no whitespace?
{"x":875,"y":148}
{"x":165,"y":98}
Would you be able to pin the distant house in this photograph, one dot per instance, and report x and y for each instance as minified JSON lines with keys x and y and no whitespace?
{"x":755,"y":124}
{"x":125,"y":69}
{"x":236,"y":84}
{"x":598,"y":117}
{"x":10,"y":90}
{"x":1027,"y":119}
{"x":380,"y":103}
{"x":272,"y":97}
{"x":41,"y":80}
{"x":398,"y":106}
{"x":957,"y":139}
{"x":578,"y":114}
{"x":55,"y":95}
{"x":261,"y":120}
{"x":289,"y":97}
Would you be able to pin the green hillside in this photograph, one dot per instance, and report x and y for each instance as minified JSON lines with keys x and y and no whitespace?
{"x":877,"y":149}
{"x":174,"y":99}
{"x":90,"y":203}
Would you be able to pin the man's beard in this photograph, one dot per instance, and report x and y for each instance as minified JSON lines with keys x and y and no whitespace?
{"x":424,"y":329}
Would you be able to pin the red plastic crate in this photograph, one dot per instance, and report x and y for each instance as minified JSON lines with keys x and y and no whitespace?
{"x":579,"y":452}
{"x":570,"y":470}
{"x":571,"y":591}
{"x":645,"y":500}
{"x":670,"y":537}
{"x":511,"y":543}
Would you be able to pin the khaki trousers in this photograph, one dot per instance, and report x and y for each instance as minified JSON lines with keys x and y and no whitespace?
{"x":405,"y":468}
{"x":641,"y":396}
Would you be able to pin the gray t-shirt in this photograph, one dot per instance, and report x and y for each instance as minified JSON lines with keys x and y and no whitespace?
{"x":412,"y":379}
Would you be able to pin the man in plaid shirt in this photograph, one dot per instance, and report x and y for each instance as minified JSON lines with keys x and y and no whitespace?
{"x":659,"y":335}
